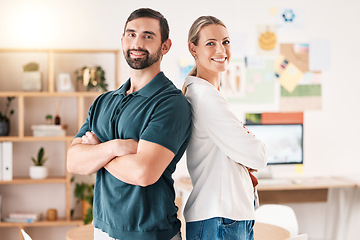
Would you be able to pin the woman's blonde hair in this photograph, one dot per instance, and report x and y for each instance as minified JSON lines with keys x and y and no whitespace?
{"x":194,"y":32}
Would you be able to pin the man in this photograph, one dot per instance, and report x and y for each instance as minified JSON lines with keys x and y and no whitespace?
{"x":133,"y":137}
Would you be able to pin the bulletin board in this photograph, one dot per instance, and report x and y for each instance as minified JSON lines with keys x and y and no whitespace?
{"x":272,"y":71}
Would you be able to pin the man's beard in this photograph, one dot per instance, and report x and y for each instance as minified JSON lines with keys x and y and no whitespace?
{"x":141,"y":63}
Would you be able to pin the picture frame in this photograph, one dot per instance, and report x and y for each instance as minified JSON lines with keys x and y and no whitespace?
{"x":64,"y":83}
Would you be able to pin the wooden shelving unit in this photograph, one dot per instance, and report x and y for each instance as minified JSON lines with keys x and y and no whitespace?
{"x":50,"y":92}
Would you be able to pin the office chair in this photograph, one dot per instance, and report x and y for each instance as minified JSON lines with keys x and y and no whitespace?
{"x":25,"y":235}
{"x":278,"y":215}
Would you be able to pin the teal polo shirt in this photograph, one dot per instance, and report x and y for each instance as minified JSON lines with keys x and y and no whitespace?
{"x":158,"y":113}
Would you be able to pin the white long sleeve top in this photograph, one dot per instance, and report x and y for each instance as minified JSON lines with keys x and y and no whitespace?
{"x":219,"y":151}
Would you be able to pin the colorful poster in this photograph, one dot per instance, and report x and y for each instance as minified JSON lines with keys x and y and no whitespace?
{"x":258,"y":85}
{"x":297,"y":54}
{"x":290,"y":18}
{"x":184,"y":69}
{"x":287,"y":74}
{"x":267,"y":40}
{"x":233,"y":80}
{"x":304,"y":97}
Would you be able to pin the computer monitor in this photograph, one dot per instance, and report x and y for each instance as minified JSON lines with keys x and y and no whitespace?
{"x":284,"y":142}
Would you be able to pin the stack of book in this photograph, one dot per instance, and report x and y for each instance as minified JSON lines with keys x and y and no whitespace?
{"x":23,"y":217}
{"x":48,"y":130}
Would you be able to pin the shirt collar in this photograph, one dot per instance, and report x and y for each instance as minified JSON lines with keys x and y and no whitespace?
{"x":146,"y":91}
{"x":192,"y":79}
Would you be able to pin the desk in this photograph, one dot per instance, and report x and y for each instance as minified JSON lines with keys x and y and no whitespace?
{"x":287,"y":190}
{"x":264,"y":231}
{"x":299,"y":190}
{"x":81,"y":233}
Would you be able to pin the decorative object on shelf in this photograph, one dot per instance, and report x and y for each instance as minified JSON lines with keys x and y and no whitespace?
{"x":48,"y":130}
{"x":31,"y":79}
{"x":57,"y":119}
{"x":57,"y":116}
{"x":39,"y":171}
{"x":84,"y":192}
{"x":93,"y":78}
{"x":51,"y":214}
{"x":64,"y":83}
{"x":48,"y":119}
{"x":5,"y":117}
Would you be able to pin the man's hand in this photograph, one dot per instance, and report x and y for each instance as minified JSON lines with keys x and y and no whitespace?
{"x":144,"y":167}
{"x":90,"y":138}
{"x":86,"y":155}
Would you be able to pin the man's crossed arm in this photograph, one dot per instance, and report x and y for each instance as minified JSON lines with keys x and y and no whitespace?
{"x":138,"y":163}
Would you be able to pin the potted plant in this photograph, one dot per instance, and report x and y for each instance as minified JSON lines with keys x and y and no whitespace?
{"x":5,"y":117}
{"x":84,"y":192}
{"x":31,"y":80}
{"x":48,"y":119}
{"x":93,"y":78}
{"x":39,"y":171}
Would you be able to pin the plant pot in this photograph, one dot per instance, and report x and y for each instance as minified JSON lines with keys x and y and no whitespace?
{"x":38,"y":172}
{"x":4,"y":128}
{"x":85,"y":206}
{"x":31,"y":81}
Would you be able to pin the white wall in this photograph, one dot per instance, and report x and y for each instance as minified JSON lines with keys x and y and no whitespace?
{"x":331,"y":137}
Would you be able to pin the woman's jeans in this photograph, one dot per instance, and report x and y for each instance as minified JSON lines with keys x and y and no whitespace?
{"x":220,"y":229}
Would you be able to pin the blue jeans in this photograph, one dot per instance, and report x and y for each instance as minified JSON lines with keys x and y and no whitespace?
{"x":220,"y":229}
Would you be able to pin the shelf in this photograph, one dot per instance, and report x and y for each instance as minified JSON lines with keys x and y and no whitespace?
{"x":34,"y":181}
{"x":22,"y":50}
{"x":54,"y":61}
{"x":34,"y":139}
{"x":60,"y":222}
{"x":49,"y":94}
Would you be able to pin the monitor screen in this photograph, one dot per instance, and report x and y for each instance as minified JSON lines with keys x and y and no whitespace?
{"x":284,"y":142}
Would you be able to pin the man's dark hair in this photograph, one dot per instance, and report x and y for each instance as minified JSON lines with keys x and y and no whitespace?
{"x":148,"y":12}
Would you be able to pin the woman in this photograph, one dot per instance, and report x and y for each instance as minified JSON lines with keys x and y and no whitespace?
{"x":221,"y":150}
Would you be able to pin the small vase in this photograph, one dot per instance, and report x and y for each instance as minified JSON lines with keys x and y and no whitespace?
{"x":38,"y":172}
{"x":4,"y":128}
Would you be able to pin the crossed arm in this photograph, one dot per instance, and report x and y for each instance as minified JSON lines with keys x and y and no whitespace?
{"x":138,"y":163}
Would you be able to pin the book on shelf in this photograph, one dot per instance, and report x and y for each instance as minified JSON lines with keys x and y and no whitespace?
{"x":0,"y":208}
{"x":20,"y":220}
{"x":6,"y":159}
{"x":48,"y":130}
{"x":35,"y":216}
{"x":23,"y":217}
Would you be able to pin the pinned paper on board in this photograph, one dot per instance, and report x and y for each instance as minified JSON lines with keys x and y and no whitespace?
{"x":185,"y":67}
{"x":259,"y":85}
{"x":273,"y":11}
{"x":297,"y":54}
{"x":267,"y":39}
{"x":233,"y":79}
{"x":304,"y":97}
{"x":287,"y":74}
{"x":239,"y":44}
{"x":319,"y":55}
{"x":290,"y":18}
